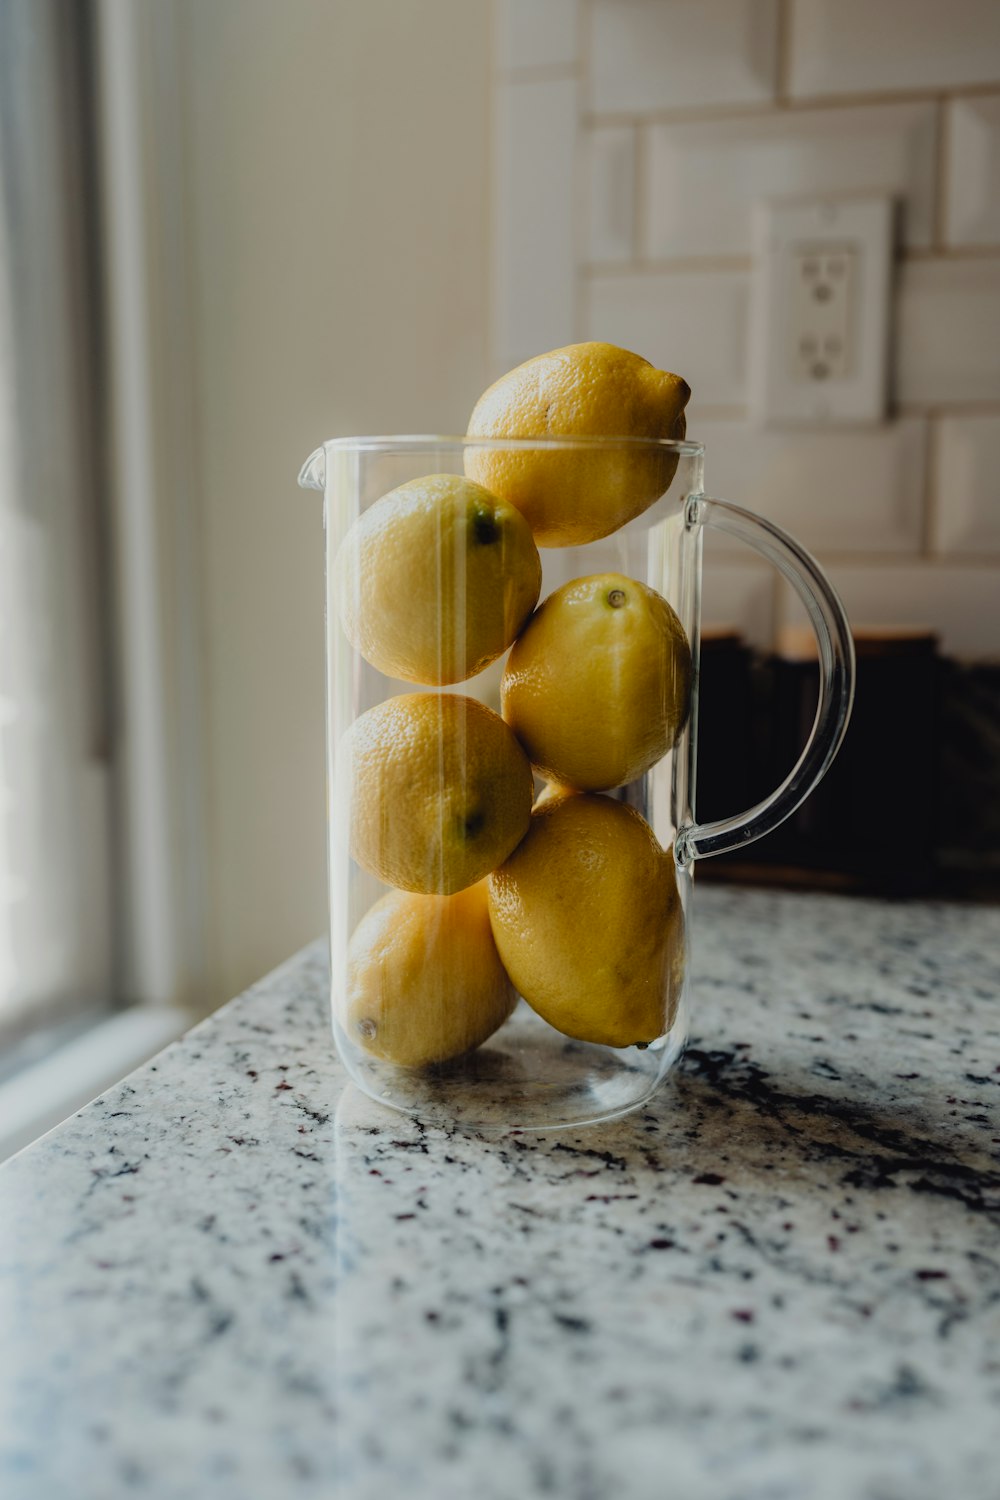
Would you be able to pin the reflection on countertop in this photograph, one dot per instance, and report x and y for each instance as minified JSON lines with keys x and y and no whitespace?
{"x":234,"y":1276}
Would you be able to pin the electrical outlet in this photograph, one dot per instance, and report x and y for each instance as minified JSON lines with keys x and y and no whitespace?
{"x":821,"y":311}
{"x":821,"y":322}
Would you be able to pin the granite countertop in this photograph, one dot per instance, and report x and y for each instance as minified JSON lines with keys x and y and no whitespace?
{"x":233,"y":1276}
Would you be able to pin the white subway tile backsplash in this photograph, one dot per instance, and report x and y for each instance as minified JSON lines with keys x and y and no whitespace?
{"x":611,"y":194}
{"x":536,"y":33}
{"x":958,"y":603}
{"x":948,"y":339}
{"x":841,"y":489}
{"x":967,"y":486}
{"x":691,"y":322}
{"x":704,"y":178}
{"x":973,"y":174}
{"x":671,"y":54}
{"x":534,"y":200}
{"x":740,"y":597}
{"x":850,"y":46}
{"x":583,"y":248}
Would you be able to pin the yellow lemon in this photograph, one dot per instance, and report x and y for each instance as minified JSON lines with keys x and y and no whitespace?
{"x":436,"y":579}
{"x":585,"y":390}
{"x":598,"y":684}
{"x":424,"y":979}
{"x":588,"y":922}
{"x":435,"y":789}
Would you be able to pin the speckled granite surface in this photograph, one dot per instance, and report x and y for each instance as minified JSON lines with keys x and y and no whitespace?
{"x":233,"y":1277}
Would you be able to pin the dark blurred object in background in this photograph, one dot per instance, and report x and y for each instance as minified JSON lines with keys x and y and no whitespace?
{"x":912,"y":804}
{"x":727,"y":697}
{"x":969,"y":810}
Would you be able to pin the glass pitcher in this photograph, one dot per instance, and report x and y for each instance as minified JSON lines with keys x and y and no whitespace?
{"x":534,"y":1070}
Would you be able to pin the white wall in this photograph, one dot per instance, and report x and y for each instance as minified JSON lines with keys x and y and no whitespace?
{"x":337,"y":207}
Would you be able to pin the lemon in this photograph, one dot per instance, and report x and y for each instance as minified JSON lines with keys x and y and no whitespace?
{"x":424,"y":979}
{"x":588,"y":922}
{"x":435,"y":789}
{"x":436,"y":579}
{"x":594,"y":390}
{"x":598,"y":684}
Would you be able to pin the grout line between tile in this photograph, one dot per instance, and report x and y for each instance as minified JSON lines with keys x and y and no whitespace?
{"x":681,"y":263}
{"x":490,"y":257}
{"x":585,"y":51}
{"x":784,"y":51}
{"x":640,"y":203}
{"x":893,"y":96}
{"x":699,"y":113}
{"x":945,"y":409}
{"x":582,"y":184}
{"x":583,"y":169}
{"x":667,"y":267}
{"x":729,"y":559}
{"x":931,"y":496}
{"x":735,"y":413}
{"x":966,"y":559}
{"x":941,"y":176}
{"x":493,"y":339}
{"x":953,"y":252}
{"x":891,"y":560}
{"x":694,"y":113}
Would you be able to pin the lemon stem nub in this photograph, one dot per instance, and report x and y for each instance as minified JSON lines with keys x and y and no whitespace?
{"x":616,"y":598}
{"x":484,"y":527}
{"x":367,"y":1028}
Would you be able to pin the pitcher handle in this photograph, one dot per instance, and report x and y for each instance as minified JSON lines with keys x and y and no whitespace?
{"x":836,"y":680}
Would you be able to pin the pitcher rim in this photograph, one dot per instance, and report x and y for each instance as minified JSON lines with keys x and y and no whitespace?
{"x":683,"y":447}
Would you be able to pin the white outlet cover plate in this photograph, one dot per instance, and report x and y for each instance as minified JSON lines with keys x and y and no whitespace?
{"x":851,"y":388}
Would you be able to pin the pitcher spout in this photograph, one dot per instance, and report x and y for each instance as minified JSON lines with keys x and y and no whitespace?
{"x":312,"y":475}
